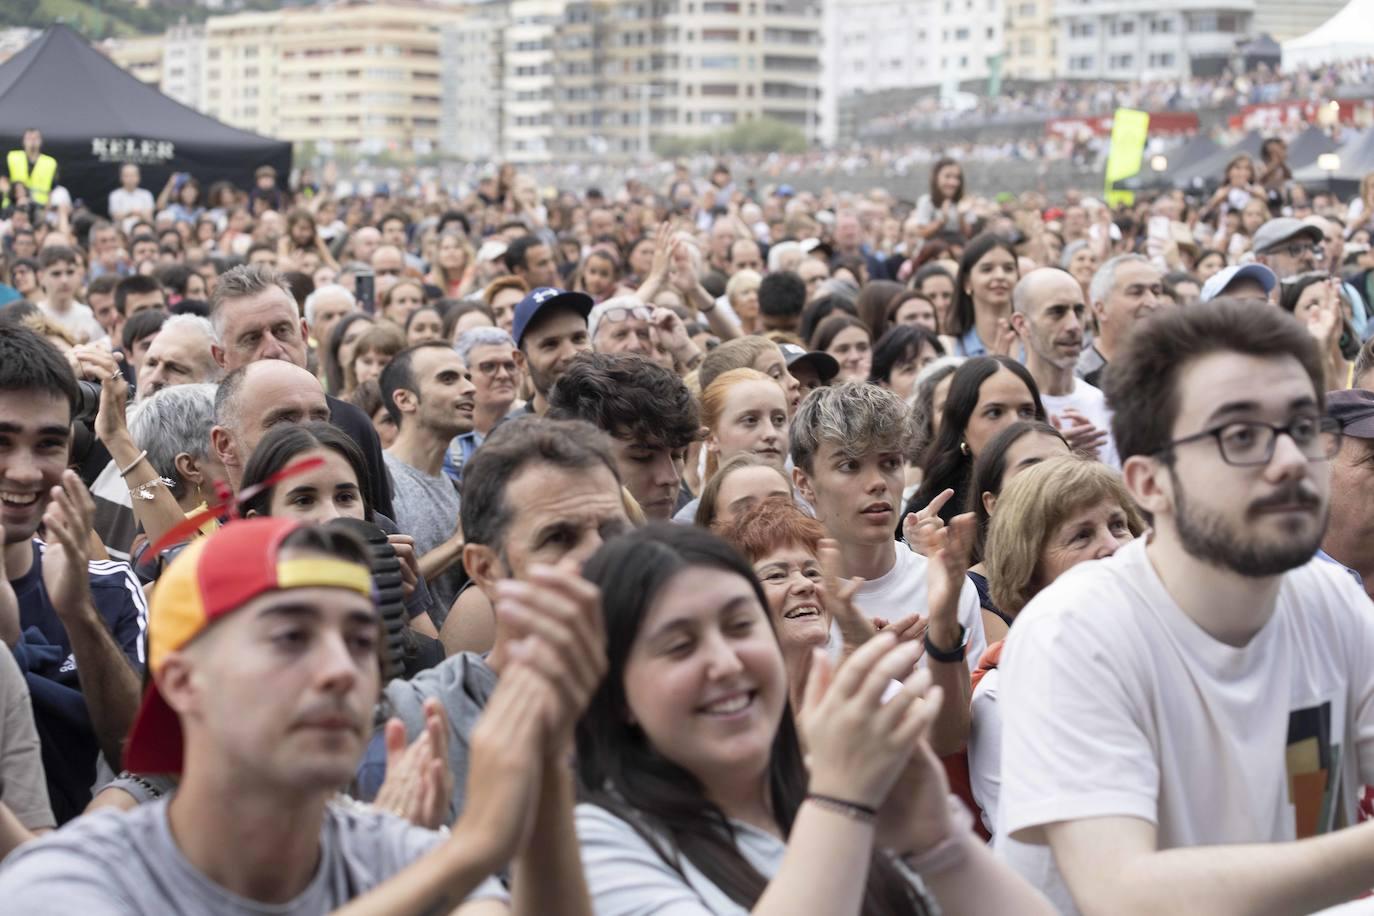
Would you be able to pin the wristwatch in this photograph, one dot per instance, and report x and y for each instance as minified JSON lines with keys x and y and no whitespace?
{"x":948,"y":655}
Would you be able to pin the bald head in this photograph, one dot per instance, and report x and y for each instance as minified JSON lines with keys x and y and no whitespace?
{"x":1041,"y":286}
{"x":256,"y":398}
{"x":1048,"y":314}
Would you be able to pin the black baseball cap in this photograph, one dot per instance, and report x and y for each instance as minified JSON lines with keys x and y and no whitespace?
{"x":825,"y":365}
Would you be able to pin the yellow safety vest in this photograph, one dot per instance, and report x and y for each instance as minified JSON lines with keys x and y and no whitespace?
{"x":41,"y":179}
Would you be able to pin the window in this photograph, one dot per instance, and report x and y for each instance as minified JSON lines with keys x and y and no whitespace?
{"x":1081,"y":63}
{"x":1161,"y":26}
{"x":961,"y":34}
{"x":1121,"y":61}
{"x":1162,"y":60}
{"x":1026,"y":10}
{"x":1082,"y":30}
{"x":1027,"y":46}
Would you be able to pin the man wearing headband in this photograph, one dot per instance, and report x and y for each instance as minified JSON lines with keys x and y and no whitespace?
{"x":263,"y":645}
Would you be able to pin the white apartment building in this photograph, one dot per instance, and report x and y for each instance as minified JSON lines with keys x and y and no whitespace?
{"x":1139,"y":39}
{"x":471,"y":57}
{"x":183,"y":58}
{"x":908,"y":44}
{"x":527,"y":109}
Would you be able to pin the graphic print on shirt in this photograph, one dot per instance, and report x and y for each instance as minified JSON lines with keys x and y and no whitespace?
{"x":1313,"y":763}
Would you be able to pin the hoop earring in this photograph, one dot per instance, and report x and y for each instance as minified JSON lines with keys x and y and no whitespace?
{"x":963,"y":449}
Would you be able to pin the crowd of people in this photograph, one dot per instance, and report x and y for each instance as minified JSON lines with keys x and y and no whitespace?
{"x":693,"y":548}
{"x":1065,"y":98}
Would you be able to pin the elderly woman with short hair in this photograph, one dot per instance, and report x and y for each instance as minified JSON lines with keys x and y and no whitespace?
{"x":1050,"y":518}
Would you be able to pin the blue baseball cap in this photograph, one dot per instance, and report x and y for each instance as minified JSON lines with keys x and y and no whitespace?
{"x":546,"y":297}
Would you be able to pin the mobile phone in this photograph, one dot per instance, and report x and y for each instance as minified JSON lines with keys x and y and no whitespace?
{"x":365,"y":290}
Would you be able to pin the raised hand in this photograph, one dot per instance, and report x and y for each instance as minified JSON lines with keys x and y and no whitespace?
{"x":563,"y":638}
{"x":1080,"y":432}
{"x":950,"y":549}
{"x":67,"y":523}
{"x":838,"y":595}
{"x":918,"y":525}
{"x":856,"y":743}
{"x":419,"y":782}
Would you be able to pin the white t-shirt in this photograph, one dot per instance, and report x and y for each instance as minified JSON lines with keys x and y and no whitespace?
{"x":985,"y":747}
{"x":1091,"y":403}
{"x":79,"y":320}
{"x":902,"y":592}
{"x":1118,"y":704}
{"x":122,"y":202}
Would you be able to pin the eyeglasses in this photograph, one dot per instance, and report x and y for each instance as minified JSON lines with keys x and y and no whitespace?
{"x":1298,"y":249}
{"x":1251,"y":443}
{"x":492,"y":367}
{"x":626,"y":312}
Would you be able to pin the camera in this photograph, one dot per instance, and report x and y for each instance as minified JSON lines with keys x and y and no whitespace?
{"x":87,"y":401}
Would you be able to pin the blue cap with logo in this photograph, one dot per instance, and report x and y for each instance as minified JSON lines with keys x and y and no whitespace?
{"x":546,"y":297}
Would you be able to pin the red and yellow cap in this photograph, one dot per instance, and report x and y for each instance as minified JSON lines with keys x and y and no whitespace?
{"x":214,"y":576}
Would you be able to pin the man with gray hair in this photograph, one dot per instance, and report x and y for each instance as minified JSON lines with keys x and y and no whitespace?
{"x":181,"y":354}
{"x":848,"y":448}
{"x":255,"y":318}
{"x":323,"y":309}
{"x":1124,"y":290}
{"x":497,"y":369}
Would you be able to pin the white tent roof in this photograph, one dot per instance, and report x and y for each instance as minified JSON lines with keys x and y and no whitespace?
{"x":1348,"y":35}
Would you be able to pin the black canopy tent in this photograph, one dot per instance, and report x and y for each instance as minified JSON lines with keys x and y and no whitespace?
{"x":1210,"y":170}
{"x":95,"y":117}
{"x":1192,"y":151}
{"x":1307,"y":146}
{"x":1356,"y":161}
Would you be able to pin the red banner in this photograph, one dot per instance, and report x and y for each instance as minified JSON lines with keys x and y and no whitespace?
{"x":1162,"y":123}
{"x":1271,"y":116}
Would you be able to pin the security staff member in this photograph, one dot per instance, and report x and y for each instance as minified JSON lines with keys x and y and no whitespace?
{"x":33,"y":167}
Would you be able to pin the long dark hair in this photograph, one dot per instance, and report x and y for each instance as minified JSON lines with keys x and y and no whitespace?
{"x":821,"y":309}
{"x":285,"y":444}
{"x":991,"y":467}
{"x":936,"y":197}
{"x":619,"y":770}
{"x":830,"y":328}
{"x":962,"y":317}
{"x":334,"y":371}
{"x":944,"y":460}
{"x":1290,"y":291}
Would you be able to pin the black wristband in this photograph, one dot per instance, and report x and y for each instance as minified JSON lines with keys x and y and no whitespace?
{"x":951,"y":655}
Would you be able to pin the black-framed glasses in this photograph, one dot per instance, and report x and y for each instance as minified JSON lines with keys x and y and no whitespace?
{"x":1250,"y":443}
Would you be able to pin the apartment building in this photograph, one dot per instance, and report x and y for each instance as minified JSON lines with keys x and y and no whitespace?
{"x":472,"y":54}
{"x":1139,"y":39}
{"x":183,"y":59}
{"x":365,"y":77}
{"x":1031,"y":39}
{"x":241,"y":80}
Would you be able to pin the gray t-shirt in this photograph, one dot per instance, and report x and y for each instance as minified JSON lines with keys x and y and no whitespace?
{"x":627,"y":877}
{"x":462,"y":684}
{"x":427,"y":510}
{"x":112,"y":862}
{"x":23,"y":786}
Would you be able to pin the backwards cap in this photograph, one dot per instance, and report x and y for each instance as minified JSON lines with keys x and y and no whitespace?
{"x":215,"y":576}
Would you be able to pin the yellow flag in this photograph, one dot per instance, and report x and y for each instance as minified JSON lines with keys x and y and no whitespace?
{"x":1129,"y":131}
